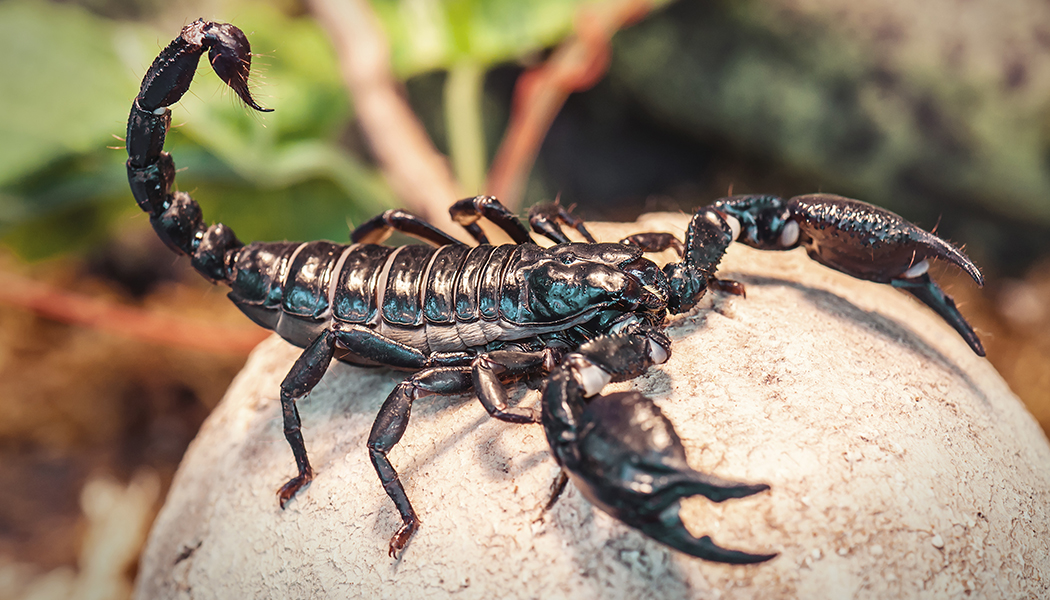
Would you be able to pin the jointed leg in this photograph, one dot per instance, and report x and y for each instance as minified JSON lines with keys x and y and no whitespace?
{"x":390,"y":425}
{"x":377,"y":229}
{"x":487,"y":385}
{"x":393,"y":417}
{"x":466,"y":212}
{"x":307,"y":371}
{"x":557,"y":488}
{"x":546,"y":220}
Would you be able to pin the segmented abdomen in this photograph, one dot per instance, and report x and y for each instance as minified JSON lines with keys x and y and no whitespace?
{"x":433,"y":299}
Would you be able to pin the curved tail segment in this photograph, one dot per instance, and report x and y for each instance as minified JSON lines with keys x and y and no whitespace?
{"x":176,"y":217}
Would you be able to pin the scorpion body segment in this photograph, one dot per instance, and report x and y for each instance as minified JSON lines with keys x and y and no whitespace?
{"x":444,"y":299}
{"x":464,"y":319}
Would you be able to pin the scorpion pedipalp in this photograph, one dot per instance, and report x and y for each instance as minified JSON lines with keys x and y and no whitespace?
{"x":637,"y":474}
{"x":858,"y":239}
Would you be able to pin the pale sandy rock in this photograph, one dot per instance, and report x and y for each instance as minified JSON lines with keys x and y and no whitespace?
{"x":900,"y":465}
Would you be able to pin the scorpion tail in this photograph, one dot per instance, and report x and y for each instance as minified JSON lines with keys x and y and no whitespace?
{"x":638,"y":476}
{"x":176,"y":217}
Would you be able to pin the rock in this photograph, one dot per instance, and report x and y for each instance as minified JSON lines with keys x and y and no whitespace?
{"x":900,"y":463}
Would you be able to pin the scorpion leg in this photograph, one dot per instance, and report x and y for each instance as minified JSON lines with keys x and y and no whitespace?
{"x":622,"y":453}
{"x":858,"y":239}
{"x":390,"y":425}
{"x":371,"y":346}
{"x":654,"y":242}
{"x":488,"y":368}
{"x":307,"y":371}
{"x":377,"y":229}
{"x":467,"y":211}
{"x":546,"y":220}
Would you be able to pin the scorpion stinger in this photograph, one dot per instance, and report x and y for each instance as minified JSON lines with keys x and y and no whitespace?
{"x":858,"y":239}
{"x":638,"y":475}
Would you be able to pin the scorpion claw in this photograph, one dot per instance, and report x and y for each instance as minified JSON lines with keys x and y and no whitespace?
{"x":680,"y":539}
{"x":930,"y":294}
{"x":641,"y":476}
{"x":637,"y":475}
{"x":858,"y":239}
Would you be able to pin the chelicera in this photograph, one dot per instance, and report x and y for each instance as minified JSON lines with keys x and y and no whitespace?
{"x":469,"y":319}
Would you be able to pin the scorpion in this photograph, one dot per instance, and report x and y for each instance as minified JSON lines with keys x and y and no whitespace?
{"x":569,"y":318}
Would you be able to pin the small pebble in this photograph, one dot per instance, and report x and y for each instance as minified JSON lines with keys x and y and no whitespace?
{"x":937,"y":541}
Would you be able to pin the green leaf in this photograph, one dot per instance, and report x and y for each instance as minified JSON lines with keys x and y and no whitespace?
{"x":63,"y":83}
{"x":288,"y":171}
{"x":435,"y":34}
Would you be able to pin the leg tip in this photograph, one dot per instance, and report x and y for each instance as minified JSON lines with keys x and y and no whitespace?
{"x":290,"y":489}
{"x":401,"y":538}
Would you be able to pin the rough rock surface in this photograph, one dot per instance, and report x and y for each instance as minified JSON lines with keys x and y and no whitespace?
{"x":900,"y":466}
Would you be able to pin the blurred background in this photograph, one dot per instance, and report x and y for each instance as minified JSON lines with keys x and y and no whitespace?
{"x":113,"y":351}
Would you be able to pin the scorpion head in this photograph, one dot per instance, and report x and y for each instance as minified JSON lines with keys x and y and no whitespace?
{"x":569,"y":280}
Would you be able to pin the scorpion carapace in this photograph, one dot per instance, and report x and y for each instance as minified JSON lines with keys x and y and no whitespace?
{"x":463,"y":319}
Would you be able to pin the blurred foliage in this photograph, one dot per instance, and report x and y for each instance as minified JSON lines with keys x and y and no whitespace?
{"x":433,"y":35}
{"x":61,"y":188}
{"x":945,"y":123}
{"x":300,"y":172}
{"x":930,"y":109}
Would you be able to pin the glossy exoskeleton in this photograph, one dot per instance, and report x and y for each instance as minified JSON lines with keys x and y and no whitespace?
{"x":469,"y":319}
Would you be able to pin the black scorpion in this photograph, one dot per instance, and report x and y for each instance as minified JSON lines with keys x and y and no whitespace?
{"x":471,"y":319}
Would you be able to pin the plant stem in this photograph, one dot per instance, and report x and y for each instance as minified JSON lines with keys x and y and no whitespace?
{"x":466,"y":135}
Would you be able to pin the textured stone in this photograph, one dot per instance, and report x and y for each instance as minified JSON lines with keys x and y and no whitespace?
{"x":900,"y":466}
